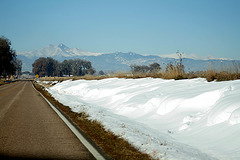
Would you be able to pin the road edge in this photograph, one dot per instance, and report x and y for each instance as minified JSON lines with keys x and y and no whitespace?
{"x":76,"y":131}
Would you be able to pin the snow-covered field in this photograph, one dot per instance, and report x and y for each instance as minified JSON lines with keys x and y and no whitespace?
{"x":168,"y":119}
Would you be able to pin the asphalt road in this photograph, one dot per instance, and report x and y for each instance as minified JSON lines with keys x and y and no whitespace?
{"x":29,"y":128}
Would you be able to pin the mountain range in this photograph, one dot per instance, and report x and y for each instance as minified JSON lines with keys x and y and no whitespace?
{"x":117,"y":61}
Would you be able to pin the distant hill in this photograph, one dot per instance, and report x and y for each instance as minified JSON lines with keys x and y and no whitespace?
{"x":115,"y":61}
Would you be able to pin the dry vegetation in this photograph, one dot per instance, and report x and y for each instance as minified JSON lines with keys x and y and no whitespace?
{"x":174,"y":71}
{"x":114,"y":146}
{"x":222,"y":74}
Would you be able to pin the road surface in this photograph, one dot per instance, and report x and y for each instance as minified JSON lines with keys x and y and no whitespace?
{"x":29,"y":128}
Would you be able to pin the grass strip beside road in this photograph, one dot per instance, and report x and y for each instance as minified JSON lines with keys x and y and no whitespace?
{"x":114,"y":146}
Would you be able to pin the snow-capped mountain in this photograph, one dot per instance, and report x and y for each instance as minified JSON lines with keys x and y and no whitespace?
{"x":117,"y":61}
{"x":57,"y":51}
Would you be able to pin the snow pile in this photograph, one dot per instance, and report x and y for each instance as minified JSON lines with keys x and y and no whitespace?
{"x":168,"y":119}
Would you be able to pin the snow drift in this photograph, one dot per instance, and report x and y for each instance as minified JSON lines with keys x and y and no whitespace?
{"x":168,"y":119}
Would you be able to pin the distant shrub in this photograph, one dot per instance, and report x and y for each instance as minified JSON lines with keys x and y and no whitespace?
{"x":175,"y":70}
{"x":101,"y":73}
{"x":153,"y":68}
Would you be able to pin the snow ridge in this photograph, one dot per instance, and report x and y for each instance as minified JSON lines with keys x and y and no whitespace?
{"x":167,"y":119}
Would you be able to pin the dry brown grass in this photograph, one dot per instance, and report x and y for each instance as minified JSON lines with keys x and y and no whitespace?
{"x":173,"y":75}
{"x":60,"y":79}
{"x":112,"y":145}
{"x":210,"y":75}
{"x":222,"y":73}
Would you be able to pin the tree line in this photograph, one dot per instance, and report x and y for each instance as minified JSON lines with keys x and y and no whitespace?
{"x":51,"y":67}
{"x":176,"y":68}
{"x":9,"y":64}
{"x":152,"y":68}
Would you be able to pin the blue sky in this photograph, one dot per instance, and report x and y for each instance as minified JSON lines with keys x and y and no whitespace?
{"x":202,"y":27}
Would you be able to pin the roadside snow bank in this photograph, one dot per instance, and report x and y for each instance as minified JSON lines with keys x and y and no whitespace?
{"x":184,"y":119}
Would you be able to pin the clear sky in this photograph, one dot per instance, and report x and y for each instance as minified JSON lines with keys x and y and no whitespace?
{"x":202,"y":27}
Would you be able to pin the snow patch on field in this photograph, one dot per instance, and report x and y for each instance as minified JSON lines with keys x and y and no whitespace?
{"x":168,"y":119}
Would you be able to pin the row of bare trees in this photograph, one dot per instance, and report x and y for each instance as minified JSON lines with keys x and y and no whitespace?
{"x":50,"y":67}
